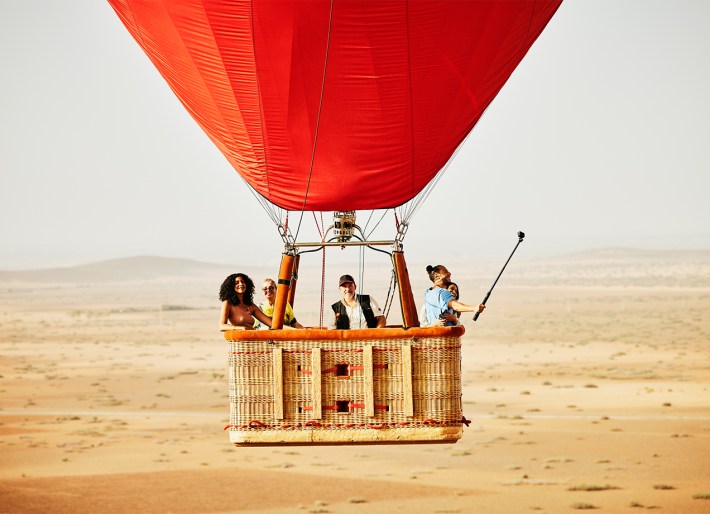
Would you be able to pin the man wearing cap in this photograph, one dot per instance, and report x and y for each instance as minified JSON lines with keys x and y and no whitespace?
{"x":355,"y":311}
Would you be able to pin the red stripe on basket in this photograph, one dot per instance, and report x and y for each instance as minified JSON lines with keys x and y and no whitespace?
{"x":376,"y":366}
{"x":362,"y":406}
{"x":256,"y":424}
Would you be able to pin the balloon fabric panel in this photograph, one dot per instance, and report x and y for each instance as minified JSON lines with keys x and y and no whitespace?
{"x":341,"y":105}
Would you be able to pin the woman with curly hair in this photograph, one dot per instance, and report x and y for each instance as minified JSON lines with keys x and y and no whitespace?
{"x":238,"y":309}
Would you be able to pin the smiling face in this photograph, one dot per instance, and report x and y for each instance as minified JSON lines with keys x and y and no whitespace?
{"x":454,"y":290}
{"x":240,"y":285}
{"x":269,"y":290}
{"x":347,"y":289}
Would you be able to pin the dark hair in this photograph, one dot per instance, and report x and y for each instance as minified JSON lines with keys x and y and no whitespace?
{"x":227,"y":292}
{"x":433,"y":269}
{"x":458,"y":291}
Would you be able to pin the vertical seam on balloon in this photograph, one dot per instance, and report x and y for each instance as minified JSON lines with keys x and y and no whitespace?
{"x":523,"y":49}
{"x":258,"y":93}
{"x":268,"y":206}
{"x":411,"y":99}
{"x":139,"y":38}
{"x":190,"y":53}
{"x":138,"y":29}
{"x":320,"y":108}
{"x":265,"y":203}
{"x":530,"y":22}
{"x":416,"y":202}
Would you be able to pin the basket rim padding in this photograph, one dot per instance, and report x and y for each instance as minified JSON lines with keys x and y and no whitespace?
{"x":322,"y":334}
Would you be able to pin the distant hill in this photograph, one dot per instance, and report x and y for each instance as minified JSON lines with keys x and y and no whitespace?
{"x":129,"y":269}
{"x":607,"y":266}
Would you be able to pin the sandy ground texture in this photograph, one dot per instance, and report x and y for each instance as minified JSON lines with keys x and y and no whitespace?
{"x":587,"y":382}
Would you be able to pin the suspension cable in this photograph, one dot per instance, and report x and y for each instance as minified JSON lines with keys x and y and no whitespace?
{"x":409,"y":209}
{"x":384,"y":213}
{"x":321,"y":231}
{"x":389,"y":300}
{"x":367,"y":222}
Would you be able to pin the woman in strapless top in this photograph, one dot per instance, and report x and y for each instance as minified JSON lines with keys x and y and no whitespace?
{"x":238,"y":309}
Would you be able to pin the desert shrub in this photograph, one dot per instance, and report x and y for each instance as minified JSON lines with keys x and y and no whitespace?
{"x":175,"y":308}
{"x":583,"y":506}
{"x":592,"y":487}
{"x":663,"y":487}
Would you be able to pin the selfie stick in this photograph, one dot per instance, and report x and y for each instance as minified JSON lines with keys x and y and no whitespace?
{"x":520,"y":240}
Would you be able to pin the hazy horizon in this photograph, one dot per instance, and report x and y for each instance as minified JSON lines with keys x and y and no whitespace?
{"x":597,"y":140}
{"x":312,"y":261}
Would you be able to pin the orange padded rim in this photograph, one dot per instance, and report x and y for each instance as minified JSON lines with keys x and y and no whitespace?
{"x":320,"y":334}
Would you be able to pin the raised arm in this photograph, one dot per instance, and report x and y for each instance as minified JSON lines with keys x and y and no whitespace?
{"x":464,"y":307}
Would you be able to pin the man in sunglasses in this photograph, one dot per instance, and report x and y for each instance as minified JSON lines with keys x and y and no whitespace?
{"x":267,"y":306}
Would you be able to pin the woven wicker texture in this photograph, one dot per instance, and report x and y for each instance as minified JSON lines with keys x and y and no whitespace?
{"x":431,"y":388}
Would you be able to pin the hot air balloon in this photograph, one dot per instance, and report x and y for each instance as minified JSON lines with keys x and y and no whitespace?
{"x":343,"y":106}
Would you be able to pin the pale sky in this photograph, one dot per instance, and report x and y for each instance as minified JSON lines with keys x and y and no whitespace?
{"x":599,"y":139}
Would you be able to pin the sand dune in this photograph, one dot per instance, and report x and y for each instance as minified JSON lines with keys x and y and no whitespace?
{"x":129,"y":269}
{"x":225,"y":490}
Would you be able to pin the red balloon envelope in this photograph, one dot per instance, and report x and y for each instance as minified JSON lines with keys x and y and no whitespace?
{"x":336,"y":104}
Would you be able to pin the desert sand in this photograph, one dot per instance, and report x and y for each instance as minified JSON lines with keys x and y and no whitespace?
{"x":587,"y":381}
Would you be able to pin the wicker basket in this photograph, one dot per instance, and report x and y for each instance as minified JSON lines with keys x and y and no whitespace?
{"x":318,"y":386}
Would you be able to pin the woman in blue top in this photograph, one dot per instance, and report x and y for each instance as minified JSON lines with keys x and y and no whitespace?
{"x":439,"y":303}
